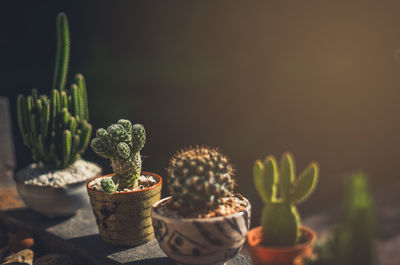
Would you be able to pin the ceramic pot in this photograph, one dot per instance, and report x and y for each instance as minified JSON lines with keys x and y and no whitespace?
{"x":292,"y":255}
{"x":201,"y":240}
{"x":54,"y":202}
{"x":123,"y":218}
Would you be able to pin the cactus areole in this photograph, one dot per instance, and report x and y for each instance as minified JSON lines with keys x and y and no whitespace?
{"x":121,"y":143}
{"x":281,"y":191}
{"x":55,"y":127}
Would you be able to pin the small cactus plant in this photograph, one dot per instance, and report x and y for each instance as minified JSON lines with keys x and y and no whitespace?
{"x":55,"y":128}
{"x":280,"y":218}
{"x":352,"y":242}
{"x":199,"y":178}
{"x":121,"y":143}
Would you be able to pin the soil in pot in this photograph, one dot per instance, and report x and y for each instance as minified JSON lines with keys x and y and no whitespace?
{"x":290,"y":255}
{"x":57,"y":193}
{"x":144,"y":181}
{"x":230,"y":205}
{"x":123,"y":218}
{"x":208,"y":237}
{"x":36,"y":175}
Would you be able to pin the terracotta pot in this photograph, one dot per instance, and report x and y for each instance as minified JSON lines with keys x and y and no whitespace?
{"x":123,"y":218}
{"x":201,"y":240}
{"x":292,"y":255}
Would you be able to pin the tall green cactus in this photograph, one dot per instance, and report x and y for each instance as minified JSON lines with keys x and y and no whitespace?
{"x":56,"y":127}
{"x":280,"y":219}
{"x":121,"y":143}
{"x":353,"y":240}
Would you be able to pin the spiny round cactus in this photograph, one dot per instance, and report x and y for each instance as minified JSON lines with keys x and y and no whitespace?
{"x":121,"y":143}
{"x":199,"y":177}
{"x":280,"y":219}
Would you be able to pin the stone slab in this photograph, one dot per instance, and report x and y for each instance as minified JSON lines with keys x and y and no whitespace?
{"x":78,"y":237}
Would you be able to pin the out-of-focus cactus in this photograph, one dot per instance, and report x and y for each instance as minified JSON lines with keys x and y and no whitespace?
{"x":56,"y":127}
{"x":199,"y":178}
{"x":352,"y":242}
{"x":121,"y":143}
{"x":280,"y":219}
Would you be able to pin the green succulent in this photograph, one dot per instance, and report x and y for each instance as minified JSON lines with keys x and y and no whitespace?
{"x":121,"y":143}
{"x":55,"y":128}
{"x":199,"y":178}
{"x":352,"y":242}
{"x":281,"y":191}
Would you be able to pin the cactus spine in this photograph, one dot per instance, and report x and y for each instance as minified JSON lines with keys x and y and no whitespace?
{"x":199,"y":178}
{"x":121,"y":143}
{"x":280,"y":218}
{"x":55,"y":128}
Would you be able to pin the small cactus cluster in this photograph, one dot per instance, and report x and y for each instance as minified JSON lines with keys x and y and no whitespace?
{"x":352,"y":242}
{"x":280,"y":218}
{"x":55,"y":128}
{"x":121,"y":143}
{"x":199,"y":178}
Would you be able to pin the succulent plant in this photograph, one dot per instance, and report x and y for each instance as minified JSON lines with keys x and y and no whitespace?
{"x":280,"y":218}
{"x":55,"y":128}
{"x":352,"y":242}
{"x":199,"y":178}
{"x":121,"y":143}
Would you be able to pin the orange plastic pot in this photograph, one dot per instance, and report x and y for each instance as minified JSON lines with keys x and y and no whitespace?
{"x":292,"y":255}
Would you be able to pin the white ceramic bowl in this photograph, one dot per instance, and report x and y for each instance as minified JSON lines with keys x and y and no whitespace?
{"x":201,"y":240}
{"x":54,"y":202}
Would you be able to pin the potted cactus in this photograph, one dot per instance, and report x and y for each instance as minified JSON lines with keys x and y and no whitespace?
{"x":203,"y":221}
{"x":281,"y":239}
{"x":352,"y":241}
{"x":56,"y":130}
{"x":122,"y":201}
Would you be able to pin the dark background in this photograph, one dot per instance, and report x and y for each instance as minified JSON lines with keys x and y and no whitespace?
{"x":318,"y":78}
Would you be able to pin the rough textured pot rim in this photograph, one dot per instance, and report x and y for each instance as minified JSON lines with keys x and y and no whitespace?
{"x":67,"y":185}
{"x":203,"y":219}
{"x":127,"y":192}
{"x":311,"y":235}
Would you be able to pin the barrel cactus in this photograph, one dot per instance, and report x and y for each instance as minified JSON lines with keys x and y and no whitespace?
{"x":121,"y":143}
{"x":280,"y":218}
{"x":55,"y":127}
{"x":199,"y":178}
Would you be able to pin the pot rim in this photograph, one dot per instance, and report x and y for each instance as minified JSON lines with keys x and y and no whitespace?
{"x":67,"y":185}
{"x":127,"y":192}
{"x":312,"y":237}
{"x":209,"y":219}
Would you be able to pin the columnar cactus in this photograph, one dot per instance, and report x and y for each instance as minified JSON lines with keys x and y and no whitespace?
{"x":353,"y":240}
{"x":56,"y":127}
{"x":121,"y":143}
{"x":280,"y":219}
{"x":199,"y":178}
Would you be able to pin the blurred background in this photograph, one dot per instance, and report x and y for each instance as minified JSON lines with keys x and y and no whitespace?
{"x":319,"y":79}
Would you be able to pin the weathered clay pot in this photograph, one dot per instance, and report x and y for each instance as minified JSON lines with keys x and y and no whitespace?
{"x":54,"y":202}
{"x":124,"y":218}
{"x":201,"y":240}
{"x":292,"y":255}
